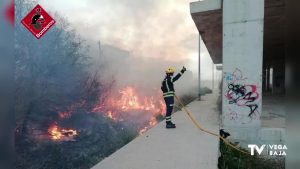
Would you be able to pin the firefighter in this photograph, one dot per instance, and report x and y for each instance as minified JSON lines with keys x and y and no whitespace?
{"x":167,"y":88}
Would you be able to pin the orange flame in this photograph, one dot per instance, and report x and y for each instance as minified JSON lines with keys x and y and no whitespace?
{"x":57,"y":133}
{"x":151,"y":123}
{"x":128,"y":100}
{"x":111,"y":116}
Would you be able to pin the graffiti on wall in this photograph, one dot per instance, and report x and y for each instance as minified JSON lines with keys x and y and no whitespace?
{"x":233,"y":115}
{"x":241,"y":94}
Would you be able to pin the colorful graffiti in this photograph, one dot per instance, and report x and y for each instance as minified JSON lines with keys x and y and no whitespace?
{"x":240,"y":118}
{"x":239,"y":93}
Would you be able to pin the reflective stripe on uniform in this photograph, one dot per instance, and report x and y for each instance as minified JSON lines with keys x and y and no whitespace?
{"x":168,"y":118}
{"x":170,"y":92}
{"x":170,"y":95}
{"x":167,"y":86}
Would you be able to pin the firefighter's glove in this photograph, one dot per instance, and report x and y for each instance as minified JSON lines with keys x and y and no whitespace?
{"x":183,"y":69}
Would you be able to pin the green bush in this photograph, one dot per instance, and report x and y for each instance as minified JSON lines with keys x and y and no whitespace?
{"x":232,"y":159}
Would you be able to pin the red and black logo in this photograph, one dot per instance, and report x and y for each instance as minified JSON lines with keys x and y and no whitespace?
{"x":38,"y":21}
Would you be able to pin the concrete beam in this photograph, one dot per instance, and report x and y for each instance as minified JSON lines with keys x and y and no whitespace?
{"x":207,"y":16}
{"x":205,"y":5}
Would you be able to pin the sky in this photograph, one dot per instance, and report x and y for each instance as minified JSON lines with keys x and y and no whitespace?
{"x":156,"y":29}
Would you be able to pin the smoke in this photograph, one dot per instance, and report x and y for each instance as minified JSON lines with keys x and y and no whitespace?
{"x":125,"y":68}
{"x":148,"y":28}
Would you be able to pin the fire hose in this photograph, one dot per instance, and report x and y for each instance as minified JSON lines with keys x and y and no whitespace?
{"x":190,"y":115}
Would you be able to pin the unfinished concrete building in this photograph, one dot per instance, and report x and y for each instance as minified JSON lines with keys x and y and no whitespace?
{"x":247,"y":37}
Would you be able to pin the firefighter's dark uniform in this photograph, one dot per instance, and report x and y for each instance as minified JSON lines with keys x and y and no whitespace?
{"x":168,"y":93}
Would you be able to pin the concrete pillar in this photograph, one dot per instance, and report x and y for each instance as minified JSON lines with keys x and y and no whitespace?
{"x":242,"y":65}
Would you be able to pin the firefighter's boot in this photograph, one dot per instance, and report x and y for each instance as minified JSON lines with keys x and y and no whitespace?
{"x":170,"y":125}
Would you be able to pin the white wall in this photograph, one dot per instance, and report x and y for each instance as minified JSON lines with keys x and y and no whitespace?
{"x":242,"y":62}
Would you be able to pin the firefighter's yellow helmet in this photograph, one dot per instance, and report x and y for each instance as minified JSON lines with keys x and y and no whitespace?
{"x":170,"y":70}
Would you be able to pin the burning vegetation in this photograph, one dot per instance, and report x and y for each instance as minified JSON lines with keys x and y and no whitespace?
{"x":67,"y":114}
{"x":128,"y":102}
{"x":127,"y":105}
{"x":57,"y":133}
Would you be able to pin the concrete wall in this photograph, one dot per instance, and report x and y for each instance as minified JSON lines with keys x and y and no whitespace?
{"x":242,"y":65}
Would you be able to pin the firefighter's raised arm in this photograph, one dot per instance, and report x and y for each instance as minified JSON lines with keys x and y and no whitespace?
{"x":179,"y":74}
